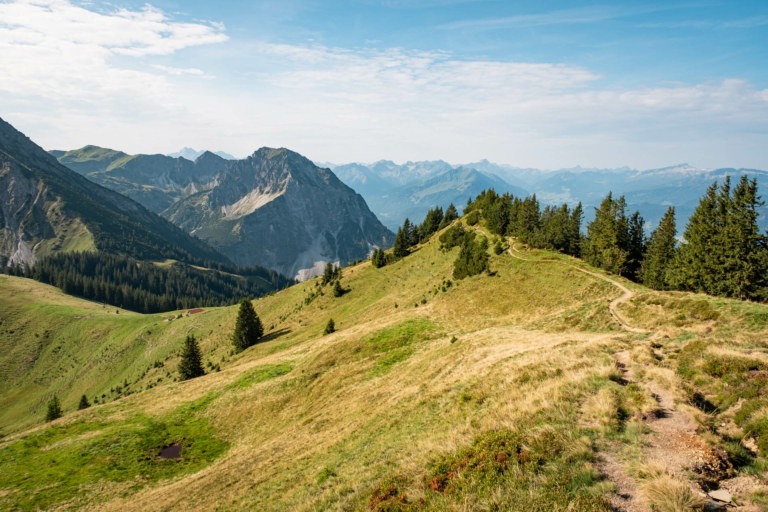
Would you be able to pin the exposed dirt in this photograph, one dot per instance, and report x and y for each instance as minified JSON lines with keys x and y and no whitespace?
{"x":171,"y":452}
{"x":626,"y":498}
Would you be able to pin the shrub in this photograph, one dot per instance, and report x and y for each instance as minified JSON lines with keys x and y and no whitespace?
{"x":330,"y":327}
{"x":453,"y":236}
{"x":473,"y":218}
{"x":54,"y":409}
{"x":84,"y":403}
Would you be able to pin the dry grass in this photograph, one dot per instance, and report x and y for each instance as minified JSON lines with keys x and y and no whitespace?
{"x":666,"y":492}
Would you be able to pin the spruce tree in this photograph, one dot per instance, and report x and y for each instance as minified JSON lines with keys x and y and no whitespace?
{"x":191,"y":364}
{"x":84,"y":403}
{"x":248,"y":328}
{"x":451,"y":214}
{"x":328,"y":274}
{"x":401,"y":244}
{"x":698,"y":254}
{"x":54,"y":409}
{"x":745,"y":270}
{"x":338,"y":291}
{"x":574,"y":231}
{"x":635,"y":246}
{"x":330,"y":327}
{"x":659,"y":259}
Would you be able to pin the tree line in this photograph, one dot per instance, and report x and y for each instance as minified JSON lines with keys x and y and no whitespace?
{"x":722,"y":251}
{"x":145,"y":287}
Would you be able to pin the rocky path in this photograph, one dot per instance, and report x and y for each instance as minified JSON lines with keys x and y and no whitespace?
{"x":675,"y":444}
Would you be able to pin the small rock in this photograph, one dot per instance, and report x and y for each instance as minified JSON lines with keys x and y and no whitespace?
{"x":721,"y":495}
{"x":713,"y":505}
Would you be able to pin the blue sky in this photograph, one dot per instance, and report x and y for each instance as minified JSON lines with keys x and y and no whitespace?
{"x":541,"y":84}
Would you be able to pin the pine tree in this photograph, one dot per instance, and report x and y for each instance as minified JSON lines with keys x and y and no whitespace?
{"x":191,"y":364}
{"x":401,"y":244}
{"x":659,"y":259}
{"x":328,"y":274}
{"x":330,"y":327}
{"x":574,"y":231}
{"x":338,"y":291}
{"x":451,"y":214}
{"x":379,"y":258}
{"x":84,"y":403}
{"x":635,"y":246}
{"x":248,"y":328}
{"x":745,"y":269}
{"x":703,"y":237}
{"x":54,"y":409}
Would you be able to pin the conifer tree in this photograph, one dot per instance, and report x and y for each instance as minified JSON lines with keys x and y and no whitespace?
{"x":635,"y":246}
{"x":248,"y":328}
{"x":191,"y":364}
{"x":379,"y":258}
{"x":574,"y":231}
{"x":54,"y":409}
{"x":84,"y":403}
{"x":660,"y":257}
{"x":338,"y":291}
{"x":451,"y":214}
{"x":330,"y":327}
{"x":328,"y":273}
{"x":400,"y":249}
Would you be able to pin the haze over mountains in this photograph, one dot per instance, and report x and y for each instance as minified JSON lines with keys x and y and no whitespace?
{"x":191,"y":154}
{"x":395,"y":192}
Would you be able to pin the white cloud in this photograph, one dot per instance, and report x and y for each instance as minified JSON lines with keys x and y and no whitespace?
{"x":61,"y":52}
{"x":181,"y":71}
{"x":81,"y":77}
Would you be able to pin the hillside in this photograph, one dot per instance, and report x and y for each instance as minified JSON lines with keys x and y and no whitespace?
{"x":529,"y":388}
{"x":46,"y":208}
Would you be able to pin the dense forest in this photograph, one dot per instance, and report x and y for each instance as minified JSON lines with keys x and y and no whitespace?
{"x":722,"y":252}
{"x":146,"y":287}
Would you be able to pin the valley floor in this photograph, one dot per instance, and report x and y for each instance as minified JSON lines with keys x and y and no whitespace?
{"x":522,"y":389}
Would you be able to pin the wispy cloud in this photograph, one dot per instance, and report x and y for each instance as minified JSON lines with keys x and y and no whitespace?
{"x":580,"y":15}
{"x":59,"y":50}
{"x":744,"y":23}
{"x":181,"y":71}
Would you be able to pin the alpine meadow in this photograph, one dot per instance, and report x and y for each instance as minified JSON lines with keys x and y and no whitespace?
{"x":340,"y":301}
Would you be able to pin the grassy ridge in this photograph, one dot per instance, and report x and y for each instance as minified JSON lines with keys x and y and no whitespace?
{"x":373,"y":414}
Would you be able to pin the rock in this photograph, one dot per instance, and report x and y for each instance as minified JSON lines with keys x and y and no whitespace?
{"x":721,"y":495}
{"x":713,"y":505}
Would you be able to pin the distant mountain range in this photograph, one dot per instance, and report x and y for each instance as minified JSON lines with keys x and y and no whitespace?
{"x":395,"y":192}
{"x":191,"y":154}
{"x":274,"y":208}
{"x":47,"y":208}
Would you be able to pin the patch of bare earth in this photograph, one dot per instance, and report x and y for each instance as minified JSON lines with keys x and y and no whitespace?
{"x":674,"y":443}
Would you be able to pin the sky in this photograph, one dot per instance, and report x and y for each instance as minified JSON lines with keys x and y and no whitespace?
{"x":545,"y":84}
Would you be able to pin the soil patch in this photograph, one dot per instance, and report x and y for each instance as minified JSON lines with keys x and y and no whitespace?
{"x":171,"y":452}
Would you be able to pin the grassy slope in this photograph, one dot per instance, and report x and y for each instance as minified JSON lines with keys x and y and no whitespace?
{"x":316,"y":423}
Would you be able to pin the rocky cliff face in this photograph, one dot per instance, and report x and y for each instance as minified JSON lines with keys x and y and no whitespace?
{"x":46,"y":207}
{"x":278,"y":209}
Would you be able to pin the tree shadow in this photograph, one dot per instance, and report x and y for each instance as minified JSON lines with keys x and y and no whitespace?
{"x":274,"y":335}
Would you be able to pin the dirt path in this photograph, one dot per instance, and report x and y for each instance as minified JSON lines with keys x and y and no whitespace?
{"x":612,"y":307}
{"x":675,"y":444}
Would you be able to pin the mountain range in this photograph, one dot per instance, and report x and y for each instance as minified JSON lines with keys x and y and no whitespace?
{"x":274,"y":208}
{"x":395,"y":192}
{"x":46,"y":208}
{"x":192,"y":154}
